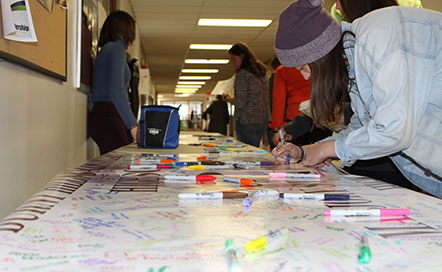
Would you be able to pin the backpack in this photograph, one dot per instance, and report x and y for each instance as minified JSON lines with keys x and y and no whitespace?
{"x":159,"y":127}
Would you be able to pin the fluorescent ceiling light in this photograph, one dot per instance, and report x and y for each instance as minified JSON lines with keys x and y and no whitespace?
{"x":211,"y":46}
{"x":182,"y":95}
{"x":188,"y":86}
{"x":195,"y":77}
{"x":234,"y":22}
{"x":191,"y":82}
{"x":202,"y":71}
{"x":185,"y":91}
{"x":206,"y":61}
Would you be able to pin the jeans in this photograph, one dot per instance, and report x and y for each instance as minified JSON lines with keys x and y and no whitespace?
{"x":250,"y":134}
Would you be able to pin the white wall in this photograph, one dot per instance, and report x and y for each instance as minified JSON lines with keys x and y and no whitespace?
{"x":42,"y":127}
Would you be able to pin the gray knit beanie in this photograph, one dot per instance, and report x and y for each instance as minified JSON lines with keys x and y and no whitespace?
{"x":306,"y":33}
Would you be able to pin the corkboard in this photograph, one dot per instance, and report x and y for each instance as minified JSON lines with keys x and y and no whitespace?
{"x":48,"y":55}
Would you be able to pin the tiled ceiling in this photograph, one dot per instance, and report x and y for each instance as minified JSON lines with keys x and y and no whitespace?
{"x":168,"y":27}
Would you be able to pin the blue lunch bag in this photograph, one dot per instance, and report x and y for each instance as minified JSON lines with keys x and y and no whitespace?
{"x":159,"y":127}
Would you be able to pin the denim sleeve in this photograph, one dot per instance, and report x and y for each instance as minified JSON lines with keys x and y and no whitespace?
{"x":118,"y":85}
{"x":394,"y":106}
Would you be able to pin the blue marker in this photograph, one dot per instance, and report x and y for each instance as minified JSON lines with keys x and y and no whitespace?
{"x":283,"y":143}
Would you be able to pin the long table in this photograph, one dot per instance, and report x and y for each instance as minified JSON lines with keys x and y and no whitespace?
{"x":101,"y":217}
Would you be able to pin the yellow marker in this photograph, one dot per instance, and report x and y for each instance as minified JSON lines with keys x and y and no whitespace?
{"x":265,"y":240}
{"x":209,"y":167}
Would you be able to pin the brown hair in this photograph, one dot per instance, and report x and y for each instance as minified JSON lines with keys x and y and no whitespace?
{"x":118,"y":24}
{"x":353,"y":9}
{"x":329,"y":86}
{"x":250,"y":62}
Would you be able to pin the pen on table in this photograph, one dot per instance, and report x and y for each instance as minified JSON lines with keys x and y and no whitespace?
{"x":315,"y":196}
{"x":213,"y":195}
{"x":149,"y":166}
{"x":232,"y":256}
{"x":190,"y":177}
{"x":264,"y":241}
{"x":209,"y":167}
{"x":251,"y":163}
{"x":283,"y":143}
{"x":370,"y":212}
{"x":201,"y":158}
{"x":364,"y":255}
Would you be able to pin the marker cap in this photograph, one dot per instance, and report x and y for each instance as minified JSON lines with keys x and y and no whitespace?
{"x":394,"y":212}
{"x":336,"y":197}
{"x":267,"y":163}
{"x":205,"y":178}
{"x":196,"y":167}
{"x":164,"y":166}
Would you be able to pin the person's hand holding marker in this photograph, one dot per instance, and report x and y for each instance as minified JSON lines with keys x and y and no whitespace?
{"x":282,"y":151}
{"x":314,"y":155}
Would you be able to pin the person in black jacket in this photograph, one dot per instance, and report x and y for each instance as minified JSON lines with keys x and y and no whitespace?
{"x":134,"y":99}
{"x":219,"y":116}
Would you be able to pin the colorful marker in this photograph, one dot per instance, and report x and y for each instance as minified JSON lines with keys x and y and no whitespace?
{"x":243,"y":181}
{"x":364,"y":255}
{"x":283,"y":143}
{"x":251,"y":163}
{"x":149,"y":166}
{"x":370,"y":212}
{"x":295,"y":175}
{"x":264,"y":241}
{"x":182,"y":164}
{"x":315,"y":196}
{"x":190,"y":177}
{"x":209,"y":167}
{"x":155,"y":161}
{"x":247,"y":203}
{"x":157,"y":155}
{"x":212,"y":195}
{"x":201,"y":158}
{"x":232,"y":256}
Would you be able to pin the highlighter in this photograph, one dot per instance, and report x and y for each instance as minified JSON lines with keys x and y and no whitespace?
{"x":264,"y":241}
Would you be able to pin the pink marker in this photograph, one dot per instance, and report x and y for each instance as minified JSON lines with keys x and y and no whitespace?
{"x":295,"y":175}
{"x":370,"y":212}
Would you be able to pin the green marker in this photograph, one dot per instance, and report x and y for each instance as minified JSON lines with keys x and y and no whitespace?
{"x":231,"y":256}
{"x":364,"y":251}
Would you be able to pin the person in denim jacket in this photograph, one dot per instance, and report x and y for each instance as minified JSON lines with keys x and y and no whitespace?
{"x":389,"y":63}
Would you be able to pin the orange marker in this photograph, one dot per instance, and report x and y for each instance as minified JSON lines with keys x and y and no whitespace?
{"x":243,"y":181}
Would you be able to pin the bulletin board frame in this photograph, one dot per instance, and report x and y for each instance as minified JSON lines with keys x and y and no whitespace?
{"x":49,"y":54}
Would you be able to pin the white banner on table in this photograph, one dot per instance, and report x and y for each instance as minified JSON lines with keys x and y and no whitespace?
{"x":17,"y":21}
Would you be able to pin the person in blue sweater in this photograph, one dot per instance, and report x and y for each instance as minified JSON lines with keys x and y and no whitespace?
{"x":111,"y":115}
